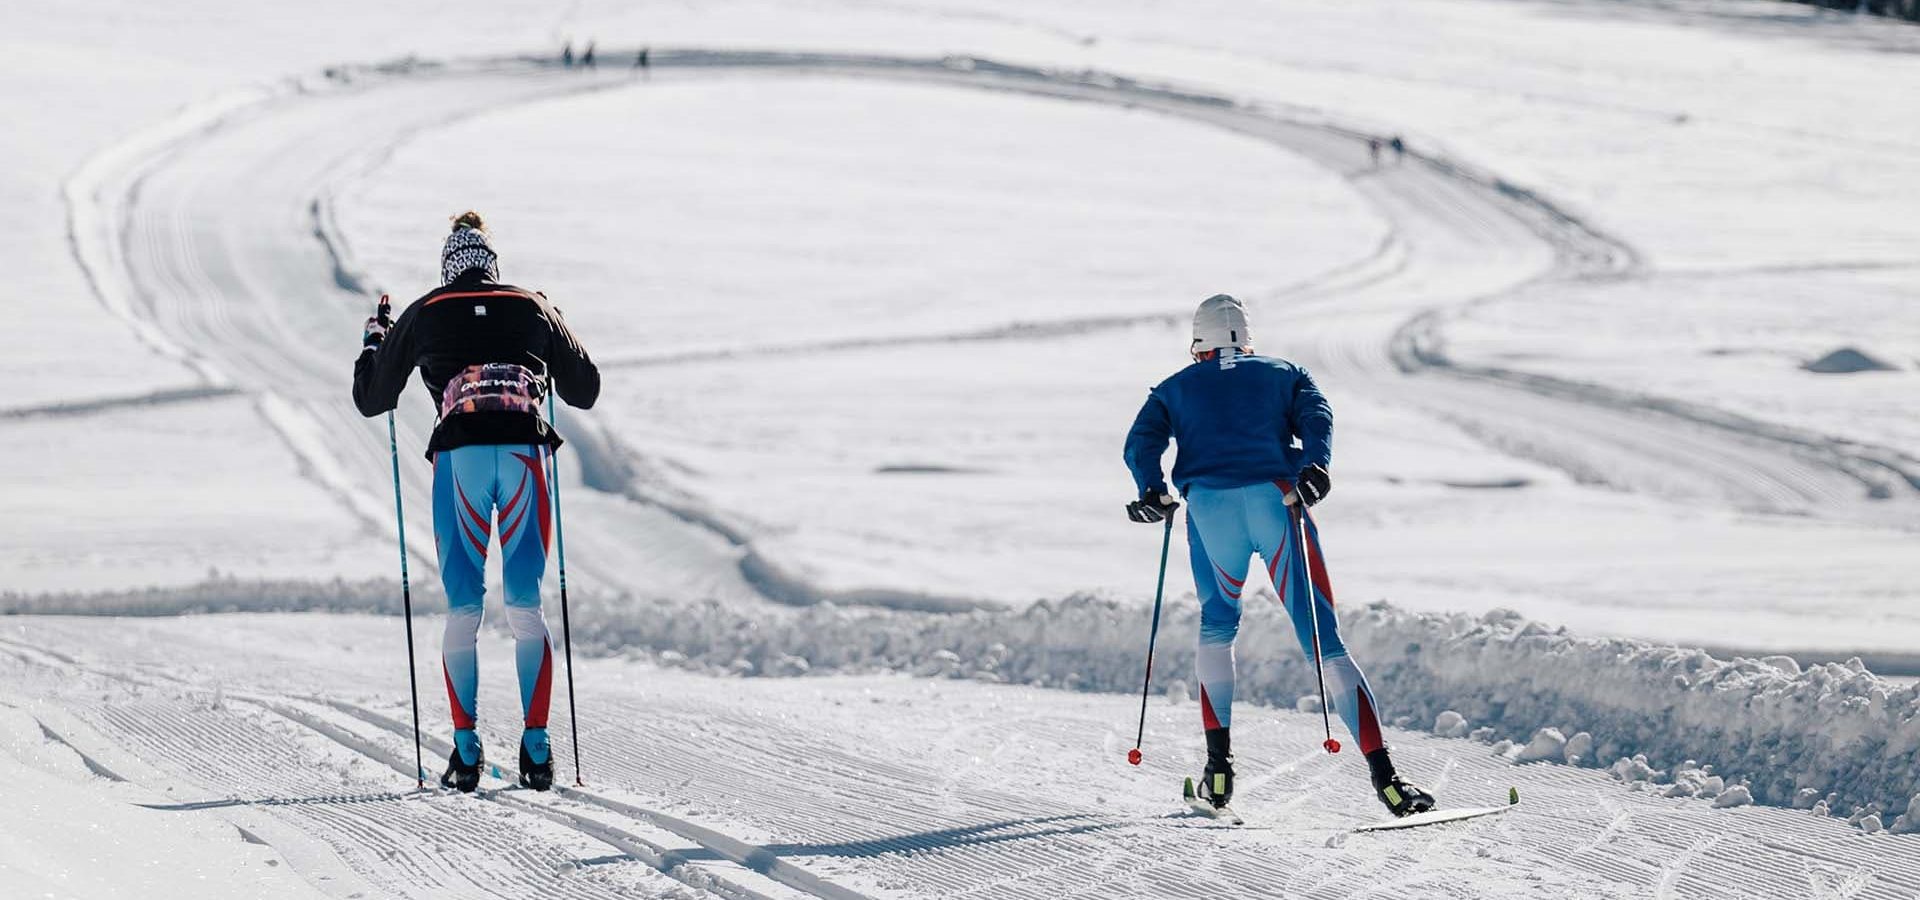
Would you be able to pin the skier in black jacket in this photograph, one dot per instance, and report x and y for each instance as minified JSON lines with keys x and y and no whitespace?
{"x":489,"y":352}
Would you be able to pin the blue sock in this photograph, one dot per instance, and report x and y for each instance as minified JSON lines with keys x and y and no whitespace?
{"x":535,"y":740}
{"x":468,"y":743}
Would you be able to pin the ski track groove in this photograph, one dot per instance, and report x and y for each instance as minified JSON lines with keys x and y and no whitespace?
{"x":193,"y":259}
{"x":1443,"y":221}
{"x":379,"y":837}
{"x":963,"y":840}
{"x":739,"y":852}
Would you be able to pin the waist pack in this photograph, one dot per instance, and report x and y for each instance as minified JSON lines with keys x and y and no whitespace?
{"x":493,"y":387}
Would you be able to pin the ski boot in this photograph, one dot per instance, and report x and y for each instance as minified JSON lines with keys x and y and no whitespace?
{"x":1216,"y":783}
{"x":462,"y":775}
{"x":1401,"y":798}
{"x":536,"y":760}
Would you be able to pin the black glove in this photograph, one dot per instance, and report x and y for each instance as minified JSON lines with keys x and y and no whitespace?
{"x":1313,"y":485}
{"x":1152,"y":507}
{"x":377,"y":324}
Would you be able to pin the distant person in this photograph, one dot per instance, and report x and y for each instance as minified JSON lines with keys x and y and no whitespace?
{"x":1399,"y":148}
{"x":489,"y":352}
{"x":586,"y":59}
{"x":1373,"y":152}
{"x":640,"y":60}
{"x":566,"y":55}
{"x":1234,"y":416}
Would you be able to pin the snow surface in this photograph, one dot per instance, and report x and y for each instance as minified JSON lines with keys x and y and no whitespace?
{"x":1564,"y":339}
{"x":1692,"y":132}
{"x":72,"y":833}
{"x":763,"y":427}
{"x":955,"y":786}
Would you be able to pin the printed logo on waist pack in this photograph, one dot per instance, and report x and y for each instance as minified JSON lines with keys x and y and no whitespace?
{"x":493,"y":387}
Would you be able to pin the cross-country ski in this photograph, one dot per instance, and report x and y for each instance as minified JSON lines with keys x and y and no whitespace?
{"x":875,"y":451}
{"x":1434,"y":817}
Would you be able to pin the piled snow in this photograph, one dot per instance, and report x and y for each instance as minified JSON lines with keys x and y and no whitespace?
{"x":1579,"y":749}
{"x":1547,"y":744}
{"x":1690,"y":779}
{"x":1909,"y":821}
{"x":1846,"y":361}
{"x":1738,"y":795}
{"x":1636,"y":773}
{"x":1835,"y":729}
{"x":222,"y":594}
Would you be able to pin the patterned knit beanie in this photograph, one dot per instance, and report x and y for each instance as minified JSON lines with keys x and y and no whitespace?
{"x":467,"y":248}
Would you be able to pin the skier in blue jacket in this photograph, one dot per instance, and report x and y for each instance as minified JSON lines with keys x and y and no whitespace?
{"x":1236,"y":417}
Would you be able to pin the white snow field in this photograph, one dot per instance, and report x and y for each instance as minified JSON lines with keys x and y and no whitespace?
{"x":752,"y":788}
{"x":877,"y":288}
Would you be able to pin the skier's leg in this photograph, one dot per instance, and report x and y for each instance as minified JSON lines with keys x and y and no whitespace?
{"x":525,"y":524}
{"x":1219,"y":625}
{"x":462,"y":519}
{"x":1219,"y":554}
{"x":1347,"y":688}
{"x":1278,"y":532}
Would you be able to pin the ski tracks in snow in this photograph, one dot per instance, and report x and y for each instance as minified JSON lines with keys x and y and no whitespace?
{"x":248,"y":280}
{"x":413,"y":842}
{"x":752,"y":788}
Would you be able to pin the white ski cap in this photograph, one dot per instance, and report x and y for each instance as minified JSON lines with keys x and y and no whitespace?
{"x":1220,"y":322}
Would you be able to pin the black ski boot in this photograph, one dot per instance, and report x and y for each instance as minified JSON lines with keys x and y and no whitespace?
{"x":1401,"y":798}
{"x":1216,"y":783}
{"x":536,"y":775}
{"x":461,"y":775}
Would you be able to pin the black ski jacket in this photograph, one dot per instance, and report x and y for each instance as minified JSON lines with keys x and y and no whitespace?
{"x":470,"y":322}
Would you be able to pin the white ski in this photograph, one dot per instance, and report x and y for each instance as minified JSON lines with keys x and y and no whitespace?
{"x":1435,"y":817}
{"x":1205,"y":807}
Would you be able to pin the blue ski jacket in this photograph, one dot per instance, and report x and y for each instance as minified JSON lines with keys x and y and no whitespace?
{"x":1236,"y":419}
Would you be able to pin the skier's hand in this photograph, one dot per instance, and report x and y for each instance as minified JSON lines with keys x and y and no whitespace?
{"x":1152,"y":507}
{"x":377,"y":324}
{"x":1313,"y":485}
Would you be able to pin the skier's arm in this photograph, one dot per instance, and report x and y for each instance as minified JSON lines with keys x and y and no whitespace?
{"x":1312,"y":421}
{"x":381,"y":372}
{"x":575,"y":377}
{"x":1147,"y":442}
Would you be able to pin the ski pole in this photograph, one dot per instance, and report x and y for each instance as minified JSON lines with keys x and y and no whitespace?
{"x":1313,"y":614}
{"x":566,"y":626}
{"x":406,"y":598}
{"x":1153,"y":634}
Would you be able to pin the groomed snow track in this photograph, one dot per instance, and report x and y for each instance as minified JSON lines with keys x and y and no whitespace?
{"x":972,"y":791}
{"x":213,"y":235}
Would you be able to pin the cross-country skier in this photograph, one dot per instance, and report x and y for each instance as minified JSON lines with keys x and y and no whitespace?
{"x":1235,"y":417}
{"x":489,"y":352}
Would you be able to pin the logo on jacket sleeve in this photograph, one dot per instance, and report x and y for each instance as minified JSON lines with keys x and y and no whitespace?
{"x":479,"y":309}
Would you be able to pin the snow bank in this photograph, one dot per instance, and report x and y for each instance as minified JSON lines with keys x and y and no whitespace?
{"x":1783,"y":734}
{"x":225,"y":594}
{"x":1835,"y":728}
{"x":1847,"y":361}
